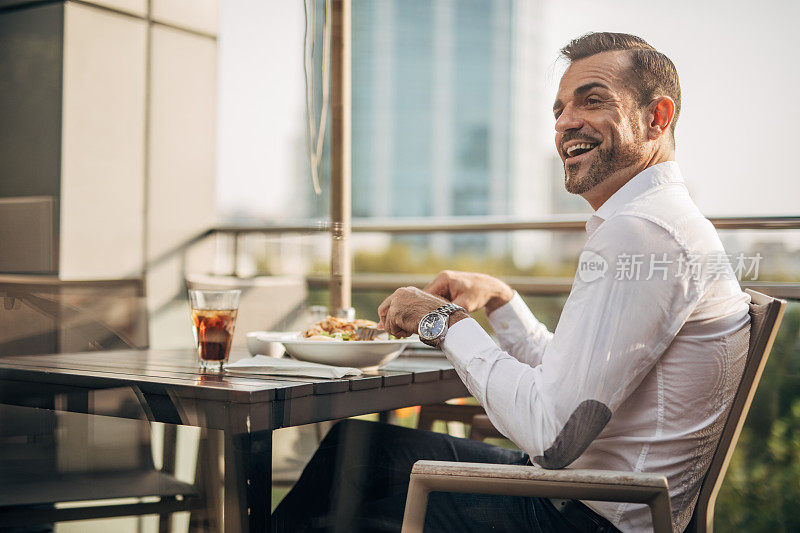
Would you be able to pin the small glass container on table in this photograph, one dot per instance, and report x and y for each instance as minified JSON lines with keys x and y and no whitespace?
{"x":213,"y":321}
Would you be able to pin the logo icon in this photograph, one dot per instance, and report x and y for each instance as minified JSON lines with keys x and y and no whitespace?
{"x":591,"y":266}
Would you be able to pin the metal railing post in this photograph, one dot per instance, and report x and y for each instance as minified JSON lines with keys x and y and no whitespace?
{"x":235,"y":267}
{"x":340,"y":156}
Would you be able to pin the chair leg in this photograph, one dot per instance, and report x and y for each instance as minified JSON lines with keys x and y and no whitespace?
{"x":482,"y":428}
{"x":475,"y":434}
{"x":446,"y":412}
{"x":416,"y":506}
{"x":660,"y":509}
{"x":425,"y":420}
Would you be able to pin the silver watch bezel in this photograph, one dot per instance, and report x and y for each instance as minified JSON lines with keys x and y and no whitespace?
{"x":433,"y":341}
{"x":444,"y":313}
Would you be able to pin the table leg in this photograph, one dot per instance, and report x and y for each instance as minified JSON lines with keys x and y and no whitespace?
{"x":208,"y":480}
{"x":248,"y":481}
{"x":168,"y":456}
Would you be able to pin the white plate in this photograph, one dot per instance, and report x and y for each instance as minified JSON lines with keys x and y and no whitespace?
{"x":358,"y":354}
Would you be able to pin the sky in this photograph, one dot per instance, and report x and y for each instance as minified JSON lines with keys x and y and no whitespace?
{"x":261,"y":104}
{"x":736,"y":61}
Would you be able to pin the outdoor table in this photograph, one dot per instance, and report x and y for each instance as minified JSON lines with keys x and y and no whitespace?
{"x":171,"y":389}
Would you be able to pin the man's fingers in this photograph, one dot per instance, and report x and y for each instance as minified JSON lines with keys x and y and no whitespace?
{"x":384,"y":306}
{"x":399,"y":324}
{"x":466,"y":302}
{"x":391,"y":326}
{"x":437,"y":287}
{"x":387,"y":315}
{"x":401,"y":312}
{"x":383,"y":309}
{"x":402,"y":334}
{"x":440,"y":286}
{"x":435,"y":282}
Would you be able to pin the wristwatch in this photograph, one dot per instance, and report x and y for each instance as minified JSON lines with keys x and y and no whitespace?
{"x":433,"y":326}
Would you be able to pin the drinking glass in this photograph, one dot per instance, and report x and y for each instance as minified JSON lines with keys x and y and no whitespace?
{"x":213,"y":320}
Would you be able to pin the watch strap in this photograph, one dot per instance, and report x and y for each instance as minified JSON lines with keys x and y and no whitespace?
{"x":449,"y":308}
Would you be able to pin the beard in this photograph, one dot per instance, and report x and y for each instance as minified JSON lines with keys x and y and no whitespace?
{"x":606,"y":162}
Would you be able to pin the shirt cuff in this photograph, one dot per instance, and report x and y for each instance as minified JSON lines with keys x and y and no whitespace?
{"x":465,"y":340}
{"x":514,"y":321}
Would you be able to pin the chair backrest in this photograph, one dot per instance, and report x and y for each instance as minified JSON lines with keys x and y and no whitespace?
{"x":765,"y":317}
{"x":47,"y":315}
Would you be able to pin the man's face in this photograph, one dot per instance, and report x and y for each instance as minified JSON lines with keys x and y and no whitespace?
{"x":599,"y":125}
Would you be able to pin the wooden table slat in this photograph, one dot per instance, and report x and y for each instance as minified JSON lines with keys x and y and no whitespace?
{"x":137,"y":367}
{"x":179,"y":362}
{"x":157,"y":370}
{"x":448,"y":373}
{"x":286,"y":387}
{"x":295,"y":391}
{"x":427,"y":375}
{"x":197,"y":377}
{"x":394,"y":378}
{"x":155,"y":384}
{"x":331,"y":387}
{"x":364,"y":382}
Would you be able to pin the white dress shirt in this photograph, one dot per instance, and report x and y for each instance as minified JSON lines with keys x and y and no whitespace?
{"x":642,"y":367}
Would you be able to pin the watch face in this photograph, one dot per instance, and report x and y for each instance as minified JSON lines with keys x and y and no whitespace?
{"x":431,"y":326}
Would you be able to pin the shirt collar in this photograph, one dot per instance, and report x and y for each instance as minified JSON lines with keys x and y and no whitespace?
{"x":649,"y":178}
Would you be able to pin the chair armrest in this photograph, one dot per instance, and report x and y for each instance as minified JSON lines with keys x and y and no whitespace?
{"x":534,"y":481}
{"x":537,"y":473}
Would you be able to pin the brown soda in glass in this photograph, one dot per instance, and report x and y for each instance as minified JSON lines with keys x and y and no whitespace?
{"x":213,"y":329}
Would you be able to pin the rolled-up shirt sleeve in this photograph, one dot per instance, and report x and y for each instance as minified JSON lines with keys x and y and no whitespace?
{"x":611,"y":332}
{"x":519,"y":332}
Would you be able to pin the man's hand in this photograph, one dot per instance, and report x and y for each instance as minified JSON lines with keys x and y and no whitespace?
{"x":401,"y":312}
{"x":471,"y":290}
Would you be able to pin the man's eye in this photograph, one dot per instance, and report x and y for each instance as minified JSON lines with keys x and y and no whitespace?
{"x":592,"y":101}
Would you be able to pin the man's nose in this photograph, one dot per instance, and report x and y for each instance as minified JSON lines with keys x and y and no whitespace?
{"x":568,"y":120}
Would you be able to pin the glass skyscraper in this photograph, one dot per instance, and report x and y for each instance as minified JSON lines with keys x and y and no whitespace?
{"x":432,"y":109}
{"x":443,"y":115}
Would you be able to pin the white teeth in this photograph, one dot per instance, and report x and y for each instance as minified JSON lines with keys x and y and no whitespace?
{"x":582,"y":146}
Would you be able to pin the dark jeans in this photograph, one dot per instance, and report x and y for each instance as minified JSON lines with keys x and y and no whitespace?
{"x":357,"y":480}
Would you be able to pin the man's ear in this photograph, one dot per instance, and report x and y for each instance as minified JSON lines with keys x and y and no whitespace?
{"x":662,"y":112}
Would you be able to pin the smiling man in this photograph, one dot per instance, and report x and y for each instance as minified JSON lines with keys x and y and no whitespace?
{"x":603,"y":139}
{"x":643,"y":365}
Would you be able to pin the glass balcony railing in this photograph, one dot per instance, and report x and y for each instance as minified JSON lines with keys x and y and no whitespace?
{"x":760,"y":488}
{"x":283,"y":270}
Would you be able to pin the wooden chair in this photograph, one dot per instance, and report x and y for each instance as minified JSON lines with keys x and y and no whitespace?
{"x":601,"y":485}
{"x":472,"y":416}
{"x":84,"y":461}
{"x":447,"y":412}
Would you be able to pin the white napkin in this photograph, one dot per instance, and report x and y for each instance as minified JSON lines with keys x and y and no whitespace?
{"x":272,"y":366}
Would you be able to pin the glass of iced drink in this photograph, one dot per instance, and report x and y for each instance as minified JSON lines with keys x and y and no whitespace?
{"x":213,"y":320}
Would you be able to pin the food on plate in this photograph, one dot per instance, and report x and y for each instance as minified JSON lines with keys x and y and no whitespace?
{"x":340,"y":329}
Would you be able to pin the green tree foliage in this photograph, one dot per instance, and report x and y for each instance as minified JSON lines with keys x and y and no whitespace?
{"x":404,"y":258}
{"x":762,"y":488}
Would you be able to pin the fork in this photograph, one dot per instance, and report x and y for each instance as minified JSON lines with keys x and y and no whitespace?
{"x":367,"y":334}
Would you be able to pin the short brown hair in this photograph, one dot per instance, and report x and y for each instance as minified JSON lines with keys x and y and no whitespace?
{"x":652,"y":73}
